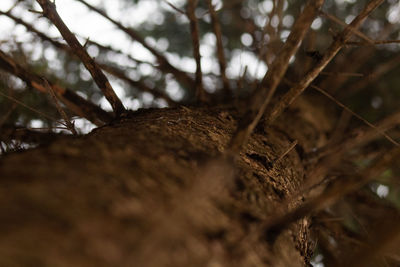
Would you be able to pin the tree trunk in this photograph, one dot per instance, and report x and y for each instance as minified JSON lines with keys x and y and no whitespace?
{"x":151,"y":190}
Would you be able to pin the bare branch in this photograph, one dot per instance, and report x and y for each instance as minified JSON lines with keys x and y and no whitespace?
{"x":30,"y":28}
{"x":262,"y":96}
{"x":28,"y":107}
{"x":333,"y":49}
{"x":333,"y":154}
{"x":175,"y":8}
{"x":74,"y":102}
{"x":337,"y":102}
{"x":377,"y":73}
{"x":194,"y":31}
{"x":68,"y":123}
{"x":377,"y":42}
{"x":112,"y":70}
{"x":220,"y":48}
{"x":355,"y":31}
{"x":138,"y":84}
{"x":358,"y":58}
{"x":49,"y":11}
{"x":165,"y":66}
{"x":28,"y":135}
{"x":331,"y":195}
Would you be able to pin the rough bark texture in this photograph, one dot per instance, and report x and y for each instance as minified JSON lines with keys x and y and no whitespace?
{"x":145,"y":191}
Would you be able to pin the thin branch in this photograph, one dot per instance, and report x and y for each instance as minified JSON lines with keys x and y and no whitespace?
{"x":175,"y":8}
{"x":355,"y":31}
{"x":49,"y":11}
{"x":5,"y":116}
{"x":220,"y":47}
{"x":333,"y":154}
{"x":290,"y":148}
{"x":108,"y":48}
{"x":337,"y":102}
{"x":331,"y":195}
{"x":377,"y":42}
{"x":164,"y":66}
{"x":356,"y":115}
{"x":333,"y":49}
{"x":194,"y":31}
{"x":30,"y":28}
{"x":263,"y":94}
{"x":29,"y":135}
{"x":112,"y":70}
{"x":358,"y":58}
{"x":74,"y":102}
{"x":386,"y":236}
{"x":377,"y":73}
{"x":68,"y":123}
{"x":28,"y":107}
{"x":348,"y":74}
{"x":138,"y":84}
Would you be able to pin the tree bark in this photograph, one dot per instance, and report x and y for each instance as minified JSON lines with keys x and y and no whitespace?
{"x":152,"y":190}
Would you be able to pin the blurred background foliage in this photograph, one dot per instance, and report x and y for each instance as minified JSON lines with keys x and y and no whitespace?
{"x":362,"y":76}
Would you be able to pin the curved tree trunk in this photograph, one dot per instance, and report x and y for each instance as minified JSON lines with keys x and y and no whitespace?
{"x":149,"y":190}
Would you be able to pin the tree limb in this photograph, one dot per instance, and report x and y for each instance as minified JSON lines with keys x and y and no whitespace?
{"x":49,"y":11}
{"x":74,"y":102}
{"x":329,"y":54}
{"x":165,"y":66}
{"x":194,"y":31}
{"x":263,"y":94}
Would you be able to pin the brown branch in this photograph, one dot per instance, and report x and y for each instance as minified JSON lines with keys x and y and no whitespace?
{"x":290,"y":148}
{"x":49,"y":11}
{"x":28,"y":107}
{"x":355,"y":31}
{"x":377,"y":42}
{"x":164,"y":66}
{"x":329,"y":54}
{"x":263,"y":94}
{"x":347,"y":74}
{"x":194,"y":31}
{"x":108,"y":48}
{"x":5,"y":116}
{"x":220,"y":47}
{"x":138,"y":84}
{"x":331,"y":155}
{"x":74,"y":102}
{"x":27,"y":135}
{"x":331,"y":195}
{"x":112,"y":70}
{"x":377,"y":73}
{"x":356,"y":115}
{"x":30,"y":28}
{"x":386,"y":237}
{"x":268,"y":51}
{"x":53,"y":96}
{"x":337,"y":102}
{"x":358,"y":58}
{"x":175,"y":8}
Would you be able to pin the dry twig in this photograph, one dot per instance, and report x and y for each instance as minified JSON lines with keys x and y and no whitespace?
{"x":112,"y":70}
{"x":355,"y":31}
{"x":164,"y":66}
{"x":333,"y":49}
{"x":28,"y":107}
{"x":262,"y":96}
{"x":194,"y":31}
{"x":331,"y":195}
{"x":74,"y":102}
{"x":49,"y":11}
{"x":67,"y":122}
{"x":220,"y":48}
